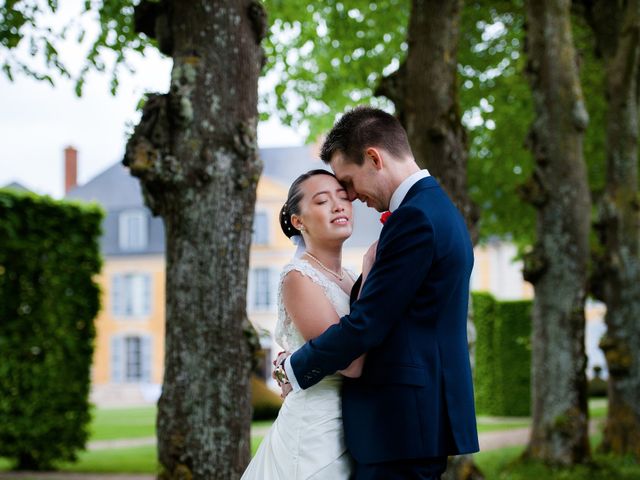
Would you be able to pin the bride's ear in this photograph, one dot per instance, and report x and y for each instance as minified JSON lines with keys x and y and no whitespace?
{"x":297,"y":222}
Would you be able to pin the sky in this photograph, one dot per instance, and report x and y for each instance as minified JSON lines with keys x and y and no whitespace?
{"x":38,"y":121}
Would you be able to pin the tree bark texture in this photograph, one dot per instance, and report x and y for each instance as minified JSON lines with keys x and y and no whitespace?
{"x":195,"y":154}
{"x":617,"y":273}
{"x":557,"y":266}
{"x":425,"y":92}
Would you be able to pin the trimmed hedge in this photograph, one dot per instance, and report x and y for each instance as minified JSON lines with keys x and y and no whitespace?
{"x":49,"y":254}
{"x":503,"y":356}
{"x":266,"y":404}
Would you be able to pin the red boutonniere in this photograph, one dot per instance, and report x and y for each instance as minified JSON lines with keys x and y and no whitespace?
{"x":384,"y":217}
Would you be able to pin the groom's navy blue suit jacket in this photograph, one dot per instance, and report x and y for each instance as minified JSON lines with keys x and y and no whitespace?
{"x":415,"y":396}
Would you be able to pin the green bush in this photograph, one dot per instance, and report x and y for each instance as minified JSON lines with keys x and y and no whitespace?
{"x":49,"y":254}
{"x":503,"y":356}
{"x":484,"y":311}
{"x":597,"y":386}
{"x":266,"y":404}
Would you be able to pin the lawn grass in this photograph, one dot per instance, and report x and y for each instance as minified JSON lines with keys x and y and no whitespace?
{"x":116,"y":460}
{"x":117,"y":423}
{"x":109,"y":424}
{"x":505,"y":464}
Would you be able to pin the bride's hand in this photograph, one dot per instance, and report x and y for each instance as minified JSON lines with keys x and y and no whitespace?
{"x":280,"y":376}
{"x":367,"y":261}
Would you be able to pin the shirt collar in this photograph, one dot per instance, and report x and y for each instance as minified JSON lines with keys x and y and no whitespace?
{"x":404,"y":187}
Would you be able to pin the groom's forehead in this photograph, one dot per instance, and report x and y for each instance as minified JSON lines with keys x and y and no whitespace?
{"x":341,"y":166}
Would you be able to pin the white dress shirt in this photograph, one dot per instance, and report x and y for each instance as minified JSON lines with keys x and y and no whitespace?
{"x":394,"y":203}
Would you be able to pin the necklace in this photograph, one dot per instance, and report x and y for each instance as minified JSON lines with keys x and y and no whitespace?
{"x":327,"y":269}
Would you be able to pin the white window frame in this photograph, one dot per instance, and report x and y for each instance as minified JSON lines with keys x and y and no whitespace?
{"x":260,"y":229}
{"x":261,"y":295}
{"x":121,"y":361}
{"x":133,"y":230}
{"x":131,"y":295}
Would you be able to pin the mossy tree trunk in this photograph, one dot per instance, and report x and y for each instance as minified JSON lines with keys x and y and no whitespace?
{"x":195,"y":154}
{"x":425,"y":93}
{"x":557,"y":266}
{"x":616,"y":281}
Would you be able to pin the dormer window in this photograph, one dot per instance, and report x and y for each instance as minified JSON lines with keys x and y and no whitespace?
{"x":133,"y":231}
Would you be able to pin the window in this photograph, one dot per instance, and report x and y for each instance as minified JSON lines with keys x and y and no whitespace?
{"x":264,"y":367}
{"x":262,"y":288}
{"x":131,"y":359}
{"x":261,"y":292}
{"x":131,"y":295}
{"x":133,"y":230}
{"x":260,"y":229}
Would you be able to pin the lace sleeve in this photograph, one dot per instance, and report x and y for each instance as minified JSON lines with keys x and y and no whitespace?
{"x":286,"y":334}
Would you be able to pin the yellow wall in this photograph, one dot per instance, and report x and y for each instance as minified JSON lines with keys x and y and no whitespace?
{"x":107,"y":325}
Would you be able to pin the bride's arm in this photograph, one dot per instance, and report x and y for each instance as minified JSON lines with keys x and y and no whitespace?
{"x":355,"y":369}
{"x":312,"y":312}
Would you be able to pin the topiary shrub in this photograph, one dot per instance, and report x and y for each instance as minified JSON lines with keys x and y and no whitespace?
{"x":502,"y":376}
{"x":49,"y":254}
{"x":484,"y":311}
{"x":512,"y":337}
{"x":266,"y":404}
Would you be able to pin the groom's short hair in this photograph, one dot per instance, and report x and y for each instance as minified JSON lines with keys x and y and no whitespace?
{"x":365,"y":127}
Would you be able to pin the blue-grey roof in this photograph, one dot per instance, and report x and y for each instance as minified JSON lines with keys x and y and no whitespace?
{"x":116,"y":190}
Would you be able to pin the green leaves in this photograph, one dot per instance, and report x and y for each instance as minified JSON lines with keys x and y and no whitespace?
{"x":22,"y":25}
{"x":330,"y":56}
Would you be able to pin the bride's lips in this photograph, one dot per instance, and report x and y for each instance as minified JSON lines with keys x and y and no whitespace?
{"x":341,"y":220}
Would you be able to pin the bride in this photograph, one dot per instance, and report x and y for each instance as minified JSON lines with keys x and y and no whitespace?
{"x":306,"y":441}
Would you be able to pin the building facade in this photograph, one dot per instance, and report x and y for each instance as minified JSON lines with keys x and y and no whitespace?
{"x":129,"y":350}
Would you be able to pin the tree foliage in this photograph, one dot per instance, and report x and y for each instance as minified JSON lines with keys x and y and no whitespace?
{"x":32,"y":32}
{"x":330,"y":56}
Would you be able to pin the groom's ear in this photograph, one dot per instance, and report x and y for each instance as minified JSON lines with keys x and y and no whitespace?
{"x":374,"y":155}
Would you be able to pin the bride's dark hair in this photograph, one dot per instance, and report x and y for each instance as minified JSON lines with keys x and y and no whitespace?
{"x":292,"y":205}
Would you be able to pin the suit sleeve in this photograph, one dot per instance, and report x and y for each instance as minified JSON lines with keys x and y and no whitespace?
{"x":404,"y":256}
{"x":355,"y":290}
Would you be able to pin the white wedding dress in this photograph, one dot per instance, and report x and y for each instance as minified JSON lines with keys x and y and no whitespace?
{"x":306,"y":441}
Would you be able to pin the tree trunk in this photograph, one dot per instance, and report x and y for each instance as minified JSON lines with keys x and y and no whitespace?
{"x":425,"y":93}
{"x":617,"y":279}
{"x":557,"y":266}
{"x":195,"y":154}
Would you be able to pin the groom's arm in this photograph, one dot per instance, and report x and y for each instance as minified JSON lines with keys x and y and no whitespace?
{"x":404,"y":256}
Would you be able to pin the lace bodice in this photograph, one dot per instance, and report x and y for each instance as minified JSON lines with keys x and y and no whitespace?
{"x":286,"y":333}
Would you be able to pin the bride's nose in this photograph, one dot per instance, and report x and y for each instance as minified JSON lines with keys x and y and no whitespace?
{"x":338,"y":207}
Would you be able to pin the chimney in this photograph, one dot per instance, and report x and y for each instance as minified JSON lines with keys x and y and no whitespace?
{"x":70,"y":168}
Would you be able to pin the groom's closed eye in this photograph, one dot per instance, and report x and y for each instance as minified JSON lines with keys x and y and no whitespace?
{"x":348,"y":188}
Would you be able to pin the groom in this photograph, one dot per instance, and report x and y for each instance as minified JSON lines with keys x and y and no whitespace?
{"x":413,"y":405}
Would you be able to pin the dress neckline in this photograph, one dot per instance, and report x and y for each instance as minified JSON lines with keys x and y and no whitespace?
{"x":327,"y":279}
